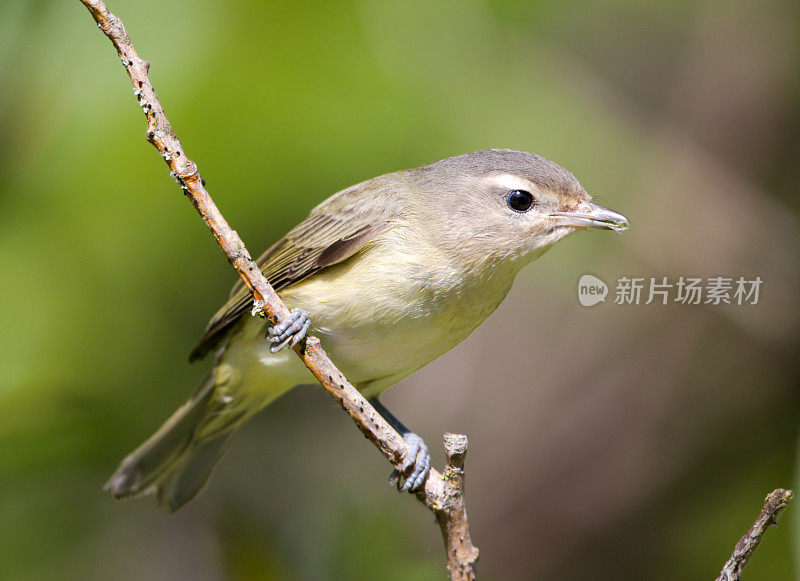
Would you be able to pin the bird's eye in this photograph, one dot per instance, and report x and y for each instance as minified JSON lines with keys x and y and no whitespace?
{"x":520,"y":200}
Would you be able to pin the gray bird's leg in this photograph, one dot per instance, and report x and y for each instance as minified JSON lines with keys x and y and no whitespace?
{"x":416,"y":464}
{"x":290,"y":332}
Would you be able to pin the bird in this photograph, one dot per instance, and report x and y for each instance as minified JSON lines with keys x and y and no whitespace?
{"x":389,"y":274}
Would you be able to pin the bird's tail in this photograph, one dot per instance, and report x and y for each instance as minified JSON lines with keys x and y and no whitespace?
{"x":176,"y":461}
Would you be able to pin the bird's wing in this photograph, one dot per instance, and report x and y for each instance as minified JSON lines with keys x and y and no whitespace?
{"x":333,"y":232}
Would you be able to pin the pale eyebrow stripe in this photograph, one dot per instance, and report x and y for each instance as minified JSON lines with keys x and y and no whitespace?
{"x":510,"y":182}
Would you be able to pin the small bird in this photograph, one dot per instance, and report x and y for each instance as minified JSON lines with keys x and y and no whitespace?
{"x":389,"y":274}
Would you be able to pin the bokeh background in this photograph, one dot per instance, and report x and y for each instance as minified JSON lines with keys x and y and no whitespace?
{"x":612,"y":442}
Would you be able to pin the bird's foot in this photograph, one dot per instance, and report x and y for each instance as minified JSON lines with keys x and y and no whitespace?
{"x":290,"y":332}
{"x":410,"y":475}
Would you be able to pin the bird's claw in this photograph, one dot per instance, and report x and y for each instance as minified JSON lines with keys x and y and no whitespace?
{"x":410,"y":475}
{"x":290,"y":332}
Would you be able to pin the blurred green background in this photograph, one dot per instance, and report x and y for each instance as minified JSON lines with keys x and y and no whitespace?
{"x":616,"y":442}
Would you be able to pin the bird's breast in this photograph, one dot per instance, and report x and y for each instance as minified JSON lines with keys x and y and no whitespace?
{"x":390,"y":311}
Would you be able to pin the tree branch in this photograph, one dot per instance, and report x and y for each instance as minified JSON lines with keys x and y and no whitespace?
{"x":775,"y":502}
{"x":444,"y":496}
{"x":462,"y":556}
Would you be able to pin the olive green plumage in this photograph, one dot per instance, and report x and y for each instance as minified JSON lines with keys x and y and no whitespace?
{"x":392,"y":272}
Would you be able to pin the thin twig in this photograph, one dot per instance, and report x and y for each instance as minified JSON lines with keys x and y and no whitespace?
{"x":775,"y":502}
{"x":462,"y":555}
{"x":438,"y":495}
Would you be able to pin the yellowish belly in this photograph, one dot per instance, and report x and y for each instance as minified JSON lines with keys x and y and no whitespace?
{"x":380,"y":318}
{"x":379,"y":327}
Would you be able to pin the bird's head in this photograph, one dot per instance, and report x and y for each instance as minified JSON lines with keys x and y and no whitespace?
{"x":506,"y":204}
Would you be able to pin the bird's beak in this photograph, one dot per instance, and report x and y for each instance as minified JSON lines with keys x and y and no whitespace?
{"x":588,"y":215}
